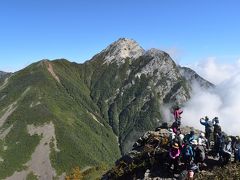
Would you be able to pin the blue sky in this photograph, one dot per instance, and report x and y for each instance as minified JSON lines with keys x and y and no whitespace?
{"x":76,"y":30}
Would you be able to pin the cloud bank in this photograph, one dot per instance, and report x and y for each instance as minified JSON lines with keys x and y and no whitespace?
{"x":223,"y":101}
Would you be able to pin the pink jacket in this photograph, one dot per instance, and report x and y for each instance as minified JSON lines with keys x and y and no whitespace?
{"x":174,"y":153}
{"x":177,"y":114}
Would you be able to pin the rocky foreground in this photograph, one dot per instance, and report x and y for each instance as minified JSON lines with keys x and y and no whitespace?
{"x":150,"y":161}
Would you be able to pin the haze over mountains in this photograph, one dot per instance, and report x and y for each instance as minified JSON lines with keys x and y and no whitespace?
{"x":56,"y":115}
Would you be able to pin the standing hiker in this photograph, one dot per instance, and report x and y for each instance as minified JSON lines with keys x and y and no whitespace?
{"x":217,"y":128}
{"x":226,"y":152}
{"x":208,"y":129}
{"x":177,"y":113}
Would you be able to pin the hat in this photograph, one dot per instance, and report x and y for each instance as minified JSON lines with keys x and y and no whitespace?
{"x":175,"y":145}
{"x":216,"y":120}
{"x":181,"y":136}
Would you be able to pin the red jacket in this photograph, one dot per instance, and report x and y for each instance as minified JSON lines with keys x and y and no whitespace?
{"x":177,"y":114}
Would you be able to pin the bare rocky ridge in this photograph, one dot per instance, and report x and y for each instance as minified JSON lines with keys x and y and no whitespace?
{"x":51,"y":71}
{"x":166,"y":76}
{"x":192,"y":77}
{"x":122,"y":49}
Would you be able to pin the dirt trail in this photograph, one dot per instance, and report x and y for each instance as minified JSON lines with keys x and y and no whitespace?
{"x":50,"y":69}
{"x":11,"y":108}
{"x":40,"y":163}
{"x":95,"y":118}
{"x":4,"y":133}
{"x":4,"y":83}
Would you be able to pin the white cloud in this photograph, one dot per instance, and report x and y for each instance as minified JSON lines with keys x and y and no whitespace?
{"x":223,"y":101}
{"x":216,"y":72}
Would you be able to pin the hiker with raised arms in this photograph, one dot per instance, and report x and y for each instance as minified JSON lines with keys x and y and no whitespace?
{"x":208,"y":129}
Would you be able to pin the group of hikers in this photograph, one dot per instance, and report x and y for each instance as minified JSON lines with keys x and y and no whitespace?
{"x":182,"y":150}
{"x":193,"y":148}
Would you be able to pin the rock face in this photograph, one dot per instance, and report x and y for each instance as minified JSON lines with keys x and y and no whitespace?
{"x":122,"y":49}
{"x":192,"y":77}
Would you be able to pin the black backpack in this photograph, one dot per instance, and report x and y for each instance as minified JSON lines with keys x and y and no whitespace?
{"x":217,"y":128}
{"x":210,"y":126}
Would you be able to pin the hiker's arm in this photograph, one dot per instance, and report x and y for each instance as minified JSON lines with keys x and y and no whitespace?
{"x":202,"y":121}
{"x":170,"y":154}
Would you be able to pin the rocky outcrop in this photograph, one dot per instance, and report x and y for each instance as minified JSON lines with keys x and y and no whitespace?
{"x":192,"y":77}
{"x":120,"y":50}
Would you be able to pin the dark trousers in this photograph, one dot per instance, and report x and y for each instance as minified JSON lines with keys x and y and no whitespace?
{"x":174,"y":162}
{"x":208,"y":137}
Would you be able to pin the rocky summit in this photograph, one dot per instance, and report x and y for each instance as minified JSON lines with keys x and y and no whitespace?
{"x":122,"y":49}
{"x":58,"y":115}
{"x":150,"y":159}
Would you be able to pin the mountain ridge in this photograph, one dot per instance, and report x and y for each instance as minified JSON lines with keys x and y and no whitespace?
{"x":97,"y":109}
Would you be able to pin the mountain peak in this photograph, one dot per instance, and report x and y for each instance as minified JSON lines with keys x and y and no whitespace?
{"x":121,"y":49}
{"x":155,"y":52}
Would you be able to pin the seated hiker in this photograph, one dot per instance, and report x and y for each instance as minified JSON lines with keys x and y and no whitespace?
{"x":199,"y":156}
{"x":174,"y":154}
{"x":189,"y":137}
{"x":177,"y":113}
{"x":192,"y":169}
{"x":172,"y":135}
{"x":202,"y":141}
{"x":189,"y":173}
{"x":187,"y":154}
{"x":226,"y":152}
{"x":219,"y":144}
{"x":208,"y":129}
{"x":178,"y":139}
